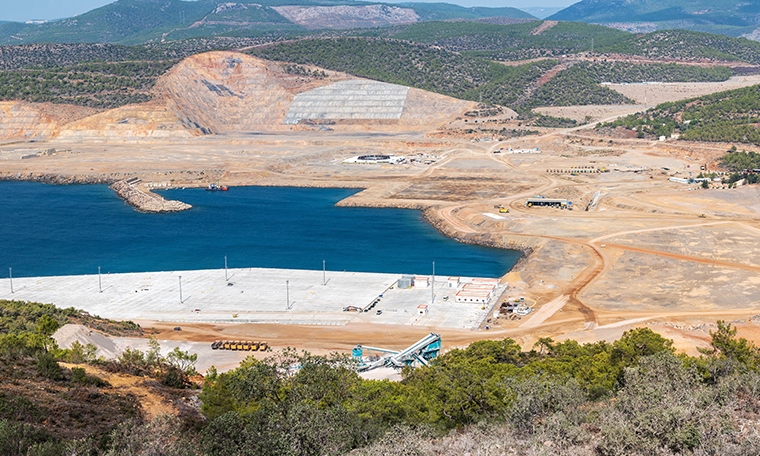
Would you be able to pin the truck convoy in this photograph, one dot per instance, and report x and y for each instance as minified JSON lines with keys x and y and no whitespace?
{"x":239,"y":345}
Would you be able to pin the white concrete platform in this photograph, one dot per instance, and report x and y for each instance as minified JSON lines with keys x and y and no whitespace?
{"x":253,"y":295}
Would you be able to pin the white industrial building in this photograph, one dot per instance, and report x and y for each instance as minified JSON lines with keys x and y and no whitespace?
{"x":476,"y":296}
{"x":421,"y":281}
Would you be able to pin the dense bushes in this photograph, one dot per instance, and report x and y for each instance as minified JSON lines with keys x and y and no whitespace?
{"x":632,"y":396}
{"x":739,"y":161}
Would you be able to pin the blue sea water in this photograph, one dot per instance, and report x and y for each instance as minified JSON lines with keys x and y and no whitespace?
{"x":69,"y":230}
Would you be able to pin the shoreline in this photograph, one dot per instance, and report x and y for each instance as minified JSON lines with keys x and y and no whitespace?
{"x":427,"y":211}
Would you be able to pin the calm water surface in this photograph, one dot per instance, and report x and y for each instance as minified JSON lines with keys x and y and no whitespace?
{"x":68,"y":230}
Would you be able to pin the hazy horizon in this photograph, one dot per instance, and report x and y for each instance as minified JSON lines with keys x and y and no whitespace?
{"x":47,"y":10}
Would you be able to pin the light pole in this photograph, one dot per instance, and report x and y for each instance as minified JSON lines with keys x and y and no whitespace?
{"x":225,"y":268}
{"x":10,"y":275}
{"x":100,"y":284}
{"x":432,"y":286}
{"x":287,"y":294}
{"x":180,"y":289}
{"x":324,"y":282}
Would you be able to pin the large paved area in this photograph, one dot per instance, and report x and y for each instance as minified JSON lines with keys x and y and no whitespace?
{"x":251,"y":296}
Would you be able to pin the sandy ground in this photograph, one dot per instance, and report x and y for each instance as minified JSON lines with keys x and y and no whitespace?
{"x":655,"y":93}
{"x":586,"y":114}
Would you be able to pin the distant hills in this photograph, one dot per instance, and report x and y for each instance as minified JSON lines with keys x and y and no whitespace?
{"x":729,"y":17}
{"x":140,"y":21}
{"x":154,"y":21}
{"x":541,"y":12}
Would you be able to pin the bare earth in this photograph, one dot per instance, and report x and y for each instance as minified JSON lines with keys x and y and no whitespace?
{"x":642,"y":256}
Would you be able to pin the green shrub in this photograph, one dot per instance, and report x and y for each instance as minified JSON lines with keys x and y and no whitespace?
{"x":18,"y":439}
{"x":47,"y":366}
{"x":79,"y":376}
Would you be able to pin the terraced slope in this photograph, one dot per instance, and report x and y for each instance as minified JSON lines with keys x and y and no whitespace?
{"x":219,"y":92}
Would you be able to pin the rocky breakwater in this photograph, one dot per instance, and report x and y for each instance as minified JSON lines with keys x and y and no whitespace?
{"x":146,"y":202}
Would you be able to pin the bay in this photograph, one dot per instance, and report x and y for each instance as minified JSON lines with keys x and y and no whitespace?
{"x":70,"y":230}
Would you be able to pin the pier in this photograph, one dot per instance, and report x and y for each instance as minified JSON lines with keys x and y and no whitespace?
{"x":145,"y":201}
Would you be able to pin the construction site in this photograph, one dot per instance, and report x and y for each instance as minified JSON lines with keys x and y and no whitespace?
{"x":610,"y":242}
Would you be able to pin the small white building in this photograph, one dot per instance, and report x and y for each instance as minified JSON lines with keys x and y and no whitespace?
{"x":421,"y":281}
{"x":422,"y":310}
{"x":453,"y":282}
{"x":473,"y":296}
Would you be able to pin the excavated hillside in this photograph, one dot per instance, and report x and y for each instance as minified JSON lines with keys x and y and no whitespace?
{"x":219,"y":92}
{"x":347,"y":16}
{"x":19,"y":119}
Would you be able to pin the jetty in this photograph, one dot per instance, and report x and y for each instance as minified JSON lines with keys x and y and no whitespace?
{"x":143,"y":201}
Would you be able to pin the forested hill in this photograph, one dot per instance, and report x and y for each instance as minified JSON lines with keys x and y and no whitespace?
{"x":538,"y":39}
{"x":731,"y":116}
{"x":733,"y":17}
{"x":414,"y":65}
{"x":108,"y":76}
{"x":463,"y":75}
{"x":687,"y":45}
{"x":507,"y":42}
{"x":140,"y":21}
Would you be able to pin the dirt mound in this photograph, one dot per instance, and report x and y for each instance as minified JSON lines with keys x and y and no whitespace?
{"x":67,"y":334}
{"x":19,"y":119}
{"x":227,"y":91}
{"x":146,"y":120}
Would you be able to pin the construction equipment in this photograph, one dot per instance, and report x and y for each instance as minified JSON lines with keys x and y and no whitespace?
{"x":241,"y":345}
{"x":421,"y":352}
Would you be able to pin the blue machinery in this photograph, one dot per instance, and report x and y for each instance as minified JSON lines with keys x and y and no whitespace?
{"x":421,"y":351}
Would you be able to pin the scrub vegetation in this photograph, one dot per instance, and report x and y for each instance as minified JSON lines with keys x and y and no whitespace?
{"x":729,"y":116}
{"x":631,"y":396}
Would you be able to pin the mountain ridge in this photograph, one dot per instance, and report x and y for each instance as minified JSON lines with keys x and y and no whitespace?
{"x":141,"y":21}
{"x":730,"y":17}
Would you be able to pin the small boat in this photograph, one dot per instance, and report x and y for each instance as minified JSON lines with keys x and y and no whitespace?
{"x":216,"y":187}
